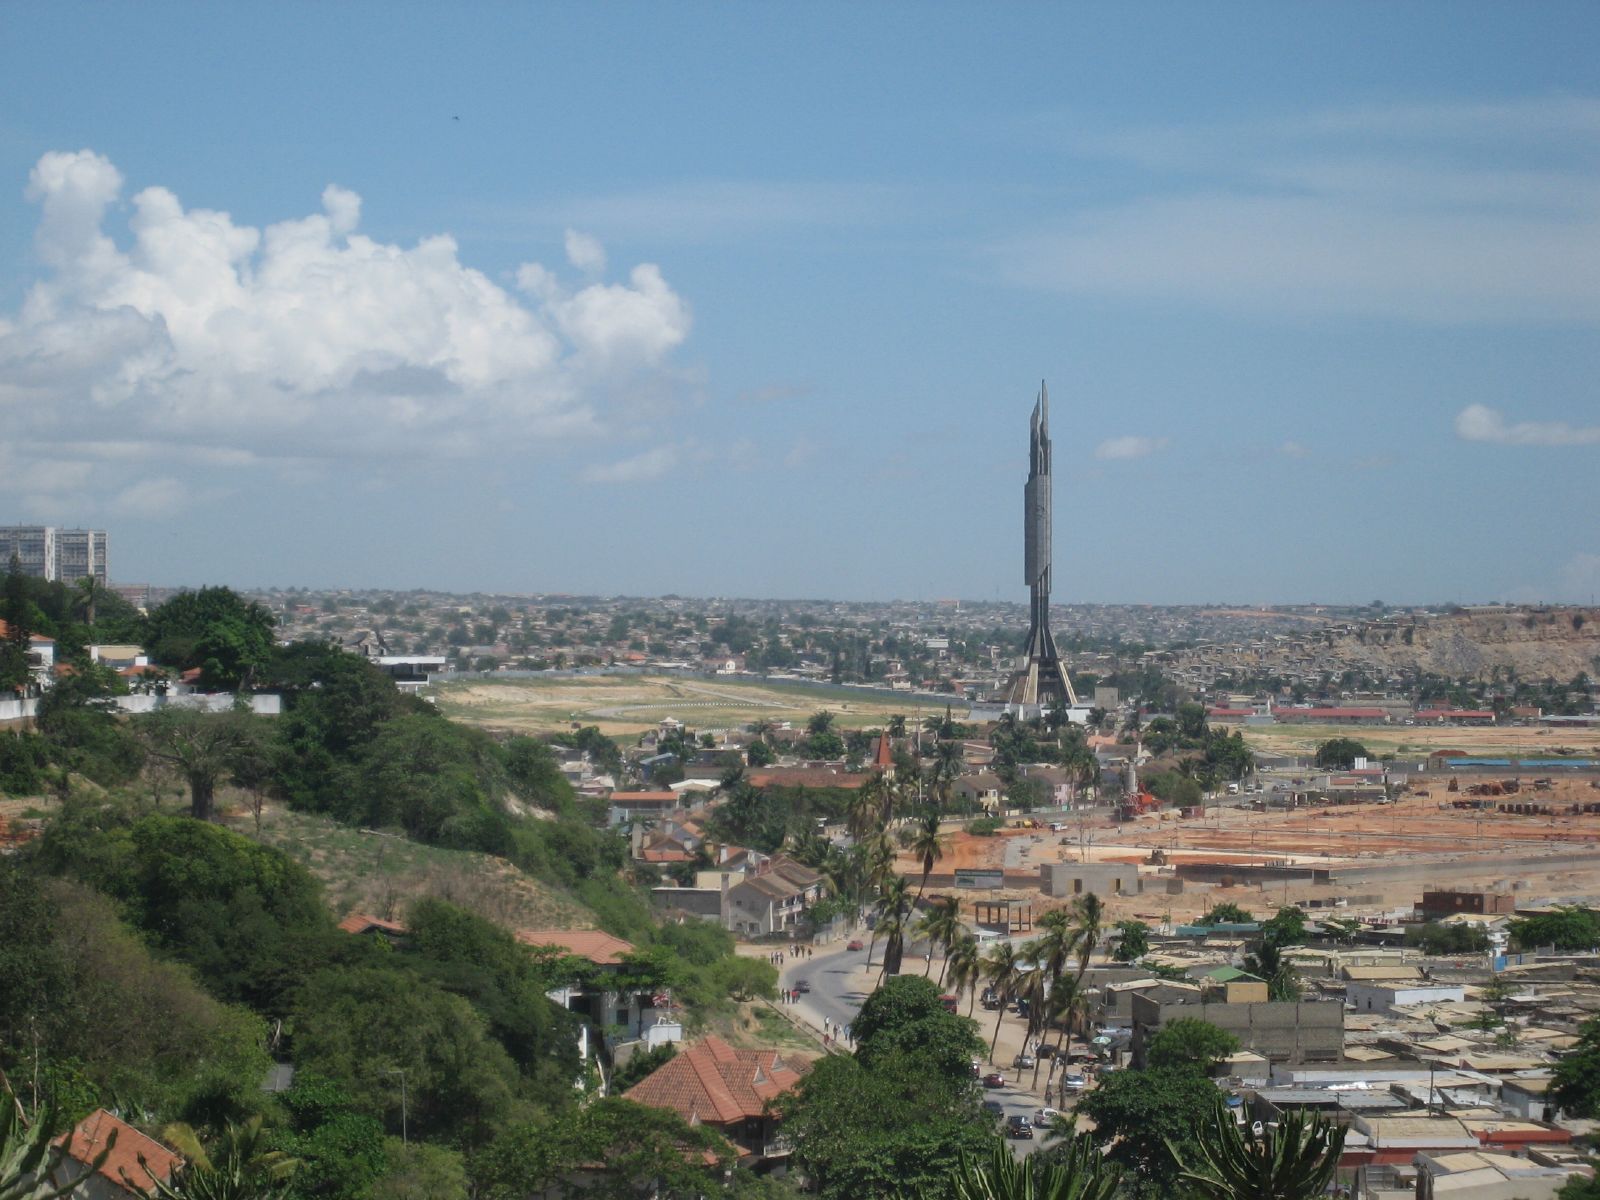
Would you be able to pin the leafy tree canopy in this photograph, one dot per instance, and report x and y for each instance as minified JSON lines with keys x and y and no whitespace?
{"x":227,"y":637}
{"x":1227,"y":913}
{"x":1142,"y":1116}
{"x":1340,"y":753}
{"x":1189,"y":1044}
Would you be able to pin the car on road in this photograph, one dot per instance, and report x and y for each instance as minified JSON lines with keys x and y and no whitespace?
{"x":856,"y":944}
{"x":1074,"y":1082}
{"x":994,"y":1108}
{"x":802,"y":985}
{"x":994,"y":1080}
{"x":1020,"y":1127}
{"x":1023,"y":1061}
{"x":1045,"y":1115}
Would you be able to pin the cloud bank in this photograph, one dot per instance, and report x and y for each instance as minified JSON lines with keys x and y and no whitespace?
{"x":1480,"y":423}
{"x":204,"y":340}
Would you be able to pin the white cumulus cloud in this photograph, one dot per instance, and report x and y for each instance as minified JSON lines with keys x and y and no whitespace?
{"x":1480,"y":423}
{"x":1130,"y":446}
{"x":193,"y":335}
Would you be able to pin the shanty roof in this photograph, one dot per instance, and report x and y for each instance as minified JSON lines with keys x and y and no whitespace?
{"x":90,"y":1135}
{"x":599,"y":948}
{"x":714,"y":1083}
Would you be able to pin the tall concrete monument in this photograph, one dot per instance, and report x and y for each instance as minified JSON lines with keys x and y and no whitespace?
{"x":1042,"y":681}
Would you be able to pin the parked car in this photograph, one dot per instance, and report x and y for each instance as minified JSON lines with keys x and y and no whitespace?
{"x":1023,"y":1061}
{"x":1045,"y":1115}
{"x":994,"y":1080}
{"x":856,"y":944}
{"x":1020,"y":1127}
{"x":994,"y":1108}
{"x":977,"y":1069}
{"x":1074,"y":1082}
{"x":802,"y":985}
{"x":1047,"y":1050}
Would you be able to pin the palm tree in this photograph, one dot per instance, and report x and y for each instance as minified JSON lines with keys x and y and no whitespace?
{"x":941,"y":925}
{"x":1294,"y":1161}
{"x":1068,"y":1006}
{"x":897,"y":725}
{"x":1001,"y":969}
{"x":1283,"y":982}
{"x":241,"y":1168}
{"x":963,"y":969}
{"x":1089,"y":917}
{"x":1079,"y":1172}
{"x":927,"y":843}
{"x":90,"y":592}
{"x":894,"y":902}
{"x":867,"y":805}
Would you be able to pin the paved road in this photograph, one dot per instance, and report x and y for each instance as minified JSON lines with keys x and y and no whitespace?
{"x":835,"y":996}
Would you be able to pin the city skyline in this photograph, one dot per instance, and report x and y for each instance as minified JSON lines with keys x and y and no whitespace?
{"x":722,"y":302}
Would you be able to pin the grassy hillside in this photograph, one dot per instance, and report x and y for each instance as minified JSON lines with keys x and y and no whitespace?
{"x":381,"y":874}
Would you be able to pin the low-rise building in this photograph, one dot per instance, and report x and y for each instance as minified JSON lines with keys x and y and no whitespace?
{"x":134,"y":1162}
{"x":772,"y":899}
{"x":730,"y":1090}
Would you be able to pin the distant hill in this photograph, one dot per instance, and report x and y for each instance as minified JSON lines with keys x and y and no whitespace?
{"x":1535,"y":643}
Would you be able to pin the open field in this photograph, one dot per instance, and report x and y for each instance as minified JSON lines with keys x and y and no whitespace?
{"x":632,"y":704}
{"x":1413,"y":740}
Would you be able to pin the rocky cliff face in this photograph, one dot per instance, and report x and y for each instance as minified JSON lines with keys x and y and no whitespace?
{"x":1535,"y":643}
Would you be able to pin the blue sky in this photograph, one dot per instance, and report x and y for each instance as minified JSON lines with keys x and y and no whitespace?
{"x":754,"y":300}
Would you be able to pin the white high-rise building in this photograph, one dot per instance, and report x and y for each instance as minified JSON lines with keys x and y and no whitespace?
{"x":64,"y":555}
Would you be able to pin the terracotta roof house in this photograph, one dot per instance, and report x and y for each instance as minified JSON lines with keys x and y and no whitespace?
{"x":598,"y":947}
{"x":621,"y":1015}
{"x":359,"y":923}
{"x":121,"y":1176}
{"x":712,"y":1083}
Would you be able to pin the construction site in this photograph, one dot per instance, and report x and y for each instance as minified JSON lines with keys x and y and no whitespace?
{"x":1371,"y":859}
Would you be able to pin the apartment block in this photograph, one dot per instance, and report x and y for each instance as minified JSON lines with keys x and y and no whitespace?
{"x":60,"y":555}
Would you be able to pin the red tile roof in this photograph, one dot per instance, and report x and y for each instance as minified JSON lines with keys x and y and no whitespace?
{"x":805,"y":777}
{"x":88,"y":1138}
{"x":644,"y":797}
{"x":362,"y":923}
{"x":884,"y":758}
{"x":713,"y":1083}
{"x":599,"y":948}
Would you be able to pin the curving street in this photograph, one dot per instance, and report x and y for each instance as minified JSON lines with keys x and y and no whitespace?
{"x":840,"y":981}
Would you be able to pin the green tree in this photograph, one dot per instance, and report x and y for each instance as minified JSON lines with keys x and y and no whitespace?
{"x":205,"y":748}
{"x":1266,"y":961}
{"x":1189,"y":1043}
{"x":941,"y":926}
{"x":1438,"y":938}
{"x":1286,"y":928}
{"x":1340,"y":753}
{"x":927,"y":844}
{"x":1577,"y":1076}
{"x":227,"y":637}
{"x":1002,"y":969}
{"x":1147,"y":1119}
{"x":904,"y":1020}
{"x":894,"y":1130}
{"x":420,"y":1171}
{"x":629,"y":1150}
{"x":241,"y":1166}
{"x":1567,"y":928}
{"x":364,"y":1027}
{"x":341,"y":1150}
{"x":1227,"y":913}
{"x":1133,"y":941}
{"x":1294,"y":1160}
